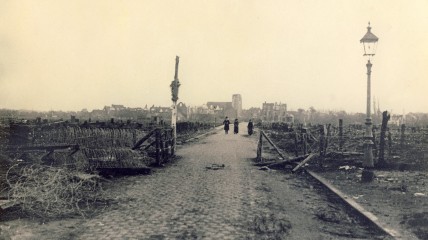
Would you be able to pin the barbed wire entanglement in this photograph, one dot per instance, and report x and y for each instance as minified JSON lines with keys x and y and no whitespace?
{"x":48,"y":191}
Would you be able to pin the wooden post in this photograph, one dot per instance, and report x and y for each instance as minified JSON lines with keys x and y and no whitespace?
{"x":112,"y":137}
{"x":174,"y":91}
{"x":389,"y":143}
{"x":296,"y":144}
{"x":321,"y":141}
{"x":163,"y":150}
{"x":164,"y":145}
{"x":327,"y":138}
{"x":374,"y":146}
{"x":167,"y":144}
{"x":158,"y":146}
{"x":274,"y":146}
{"x":383,"y":128}
{"x":341,"y":135}
{"x":173,"y":141}
{"x":134,"y":137}
{"x":403,"y":129}
{"x":305,"y":145}
{"x":260,"y":147}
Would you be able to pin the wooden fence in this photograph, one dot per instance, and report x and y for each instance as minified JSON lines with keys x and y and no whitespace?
{"x":162,"y":140}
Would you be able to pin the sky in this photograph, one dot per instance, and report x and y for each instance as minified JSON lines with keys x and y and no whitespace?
{"x":70,"y":55}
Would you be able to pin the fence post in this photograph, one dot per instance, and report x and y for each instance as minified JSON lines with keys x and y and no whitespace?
{"x":112,"y":137}
{"x":167,"y":142}
{"x":327,"y":138}
{"x":134,"y":137}
{"x":321,"y":140}
{"x":163,"y":152}
{"x":374,"y":146}
{"x":296,"y":142}
{"x":173,"y":141}
{"x":383,"y":128}
{"x":260,"y":147}
{"x":158,"y":146}
{"x":305,"y":146}
{"x":389,"y":143}
{"x":341,"y":135}
{"x":403,"y":129}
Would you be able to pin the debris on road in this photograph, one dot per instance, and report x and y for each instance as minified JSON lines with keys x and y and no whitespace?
{"x":265,"y":168}
{"x":215,"y":166}
{"x":346,"y":167}
{"x":356,"y":197}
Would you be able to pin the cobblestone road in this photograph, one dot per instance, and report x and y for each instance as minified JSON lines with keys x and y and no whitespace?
{"x":187,"y":201}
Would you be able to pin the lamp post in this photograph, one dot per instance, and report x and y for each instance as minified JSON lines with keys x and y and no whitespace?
{"x":175,"y":84}
{"x":369,"y":42}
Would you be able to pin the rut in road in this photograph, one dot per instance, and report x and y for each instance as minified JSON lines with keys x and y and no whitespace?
{"x":186,"y":200}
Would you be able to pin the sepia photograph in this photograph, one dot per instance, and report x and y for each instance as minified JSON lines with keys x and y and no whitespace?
{"x":213,"y":119}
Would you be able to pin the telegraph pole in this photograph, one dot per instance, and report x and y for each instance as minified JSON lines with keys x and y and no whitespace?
{"x":175,"y":84}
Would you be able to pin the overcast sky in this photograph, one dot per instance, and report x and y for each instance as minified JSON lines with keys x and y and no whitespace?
{"x":69,"y":55}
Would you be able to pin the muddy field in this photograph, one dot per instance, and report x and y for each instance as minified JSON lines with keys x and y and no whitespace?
{"x":398,"y":196}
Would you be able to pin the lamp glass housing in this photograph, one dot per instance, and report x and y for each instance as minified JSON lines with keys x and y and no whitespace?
{"x":369,"y":42}
{"x":369,"y":48}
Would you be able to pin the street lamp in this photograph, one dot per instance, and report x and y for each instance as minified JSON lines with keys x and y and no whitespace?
{"x":369,"y":43}
{"x":175,"y":84}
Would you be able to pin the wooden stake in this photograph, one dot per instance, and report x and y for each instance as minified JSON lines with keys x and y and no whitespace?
{"x":374,"y":146}
{"x":158,"y":146}
{"x":389,"y":143}
{"x":274,"y":146}
{"x":321,"y":140}
{"x":260,"y":147}
{"x":328,"y":137}
{"x":403,"y":129}
{"x":173,"y":140}
{"x":383,"y":128}
{"x":341,"y":135}
{"x":296,"y":146}
{"x":305,"y":144}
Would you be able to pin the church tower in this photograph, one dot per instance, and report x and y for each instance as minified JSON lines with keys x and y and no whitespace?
{"x":237,"y":104}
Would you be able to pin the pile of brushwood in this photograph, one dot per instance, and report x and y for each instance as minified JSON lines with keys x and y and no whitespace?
{"x":47,"y":191}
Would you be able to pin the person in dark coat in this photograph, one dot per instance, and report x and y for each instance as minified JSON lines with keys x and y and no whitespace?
{"x":236,"y":126}
{"x":226,"y":123}
{"x":250,"y":127}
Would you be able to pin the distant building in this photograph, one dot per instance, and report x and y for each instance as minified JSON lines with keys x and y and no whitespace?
{"x":159,"y":113}
{"x":290,"y":118}
{"x":231,"y":109}
{"x":274,"y":112}
{"x":397,"y":120}
{"x":115,"y":107}
{"x":159,"y":110}
{"x":222,"y":109}
{"x":237,"y":104}
{"x":252,"y":113}
{"x":183,"y":112}
{"x":97,"y":114}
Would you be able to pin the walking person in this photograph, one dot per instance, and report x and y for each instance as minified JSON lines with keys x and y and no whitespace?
{"x":226,"y":123}
{"x":236,"y":126}
{"x":250,"y":127}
